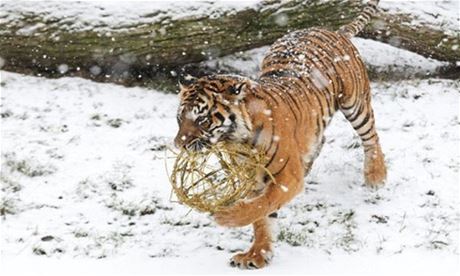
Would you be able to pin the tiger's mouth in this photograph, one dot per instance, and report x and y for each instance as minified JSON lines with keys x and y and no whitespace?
{"x":197,"y":145}
{"x":207,"y":139}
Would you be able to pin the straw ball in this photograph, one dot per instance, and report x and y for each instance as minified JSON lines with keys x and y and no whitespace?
{"x":216,"y":176}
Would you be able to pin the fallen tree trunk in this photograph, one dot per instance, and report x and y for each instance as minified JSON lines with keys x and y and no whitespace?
{"x":38,"y":44}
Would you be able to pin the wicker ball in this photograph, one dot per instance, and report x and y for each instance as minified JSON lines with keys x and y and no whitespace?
{"x":216,"y":176}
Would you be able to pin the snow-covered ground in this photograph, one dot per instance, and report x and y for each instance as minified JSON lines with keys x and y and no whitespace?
{"x":83,"y":178}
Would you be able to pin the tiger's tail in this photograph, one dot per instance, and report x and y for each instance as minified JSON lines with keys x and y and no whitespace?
{"x":361,"y":21}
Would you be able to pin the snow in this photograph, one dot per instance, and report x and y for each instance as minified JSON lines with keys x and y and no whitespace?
{"x":377,"y":56}
{"x":281,"y":19}
{"x":284,"y":188}
{"x":105,"y":16}
{"x":84,"y":185}
{"x":84,"y":163}
{"x":319,"y":80}
{"x":317,"y":265}
{"x":442,"y":14}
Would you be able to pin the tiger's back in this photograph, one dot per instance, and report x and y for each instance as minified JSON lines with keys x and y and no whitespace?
{"x":316,"y":72}
{"x":325,"y":62}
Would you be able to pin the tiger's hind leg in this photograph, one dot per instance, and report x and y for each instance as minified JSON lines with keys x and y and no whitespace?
{"x":310,"y":158}
{"x":361,"y":117}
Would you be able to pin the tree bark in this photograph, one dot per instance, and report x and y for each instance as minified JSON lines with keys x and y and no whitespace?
{"x":134,"y":52}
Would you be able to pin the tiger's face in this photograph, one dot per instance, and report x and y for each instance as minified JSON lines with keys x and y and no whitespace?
{"x":210,"y":111}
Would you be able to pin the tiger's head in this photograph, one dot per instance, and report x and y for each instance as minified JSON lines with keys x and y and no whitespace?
{"x":211,"y":110}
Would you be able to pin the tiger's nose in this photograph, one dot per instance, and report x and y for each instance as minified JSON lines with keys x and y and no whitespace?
{"x":182,"y":140}
{"x":179,"y":141}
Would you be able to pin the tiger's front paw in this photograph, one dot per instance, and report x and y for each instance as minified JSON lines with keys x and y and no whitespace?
{"x":237,"y":215}
{"x":253,"y":259}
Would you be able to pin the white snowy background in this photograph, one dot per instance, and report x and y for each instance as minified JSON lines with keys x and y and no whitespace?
{"x":84,"y":188}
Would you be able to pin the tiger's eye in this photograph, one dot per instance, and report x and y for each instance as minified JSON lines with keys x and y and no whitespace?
{"x":233,"y":90}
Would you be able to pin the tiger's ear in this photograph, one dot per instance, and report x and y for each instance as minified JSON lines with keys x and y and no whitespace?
{"x":186,"y":81}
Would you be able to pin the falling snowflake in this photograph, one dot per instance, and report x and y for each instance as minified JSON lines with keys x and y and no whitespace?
{"x":95,"y":70}
{"x":318,"y":79}
{"x":63,"y":68}
{"x":281,"y":19}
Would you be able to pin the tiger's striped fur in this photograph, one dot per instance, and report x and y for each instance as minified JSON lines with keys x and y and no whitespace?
{"x":306,"y":77}
{"x":352,"y":29}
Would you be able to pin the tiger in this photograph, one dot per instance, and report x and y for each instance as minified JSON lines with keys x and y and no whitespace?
{"x":306,"y":76}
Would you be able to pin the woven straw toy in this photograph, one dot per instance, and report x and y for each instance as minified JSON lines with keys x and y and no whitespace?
{"x":216,"y":176}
